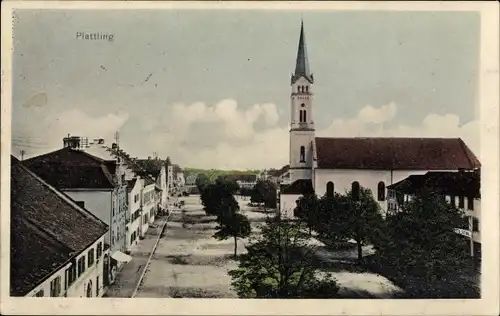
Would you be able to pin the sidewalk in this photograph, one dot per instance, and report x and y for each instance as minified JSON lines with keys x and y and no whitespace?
{"x":129,"y":275}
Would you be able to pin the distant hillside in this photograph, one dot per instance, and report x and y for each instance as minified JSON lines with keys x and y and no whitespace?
{"x":214,"y":173}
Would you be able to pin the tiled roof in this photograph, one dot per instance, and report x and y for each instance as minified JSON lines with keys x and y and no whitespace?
{"x":47,"y":229}
{"x":138,"y":166}
{"x":131,"y":184}
{"x":394,"y":154}
{"x":152,"y":166}
{"x":447,"y":183}
{"x":70,"y":169}
{"x":301,"y":186}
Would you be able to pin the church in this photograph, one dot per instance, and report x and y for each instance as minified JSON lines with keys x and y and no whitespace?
{"x":325,"y":165}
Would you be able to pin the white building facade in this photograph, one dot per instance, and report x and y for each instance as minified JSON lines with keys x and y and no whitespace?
{"x":333,"y":164}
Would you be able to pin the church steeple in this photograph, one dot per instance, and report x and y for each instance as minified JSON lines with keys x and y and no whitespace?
{"x":302,"y":63}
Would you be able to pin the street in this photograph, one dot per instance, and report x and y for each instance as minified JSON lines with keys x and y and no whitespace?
{"x":188,"y":262}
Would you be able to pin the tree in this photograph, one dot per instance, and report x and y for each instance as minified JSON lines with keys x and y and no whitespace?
{"x":308,"y":210}
{"x":264,"y":192}
{"x":279,"y":263}
{"x":218,"y":197}
{"x":359,"y":220}
{"x":420,"y":239}
{"x":202,"y":180}
{"x":235,"y":225}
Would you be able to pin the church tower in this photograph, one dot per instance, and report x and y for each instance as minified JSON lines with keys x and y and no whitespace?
{"x":301,"y":119}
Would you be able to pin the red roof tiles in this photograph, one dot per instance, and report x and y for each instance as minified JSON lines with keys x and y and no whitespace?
{"x":47,"y":229}
{"x":394,"y":154}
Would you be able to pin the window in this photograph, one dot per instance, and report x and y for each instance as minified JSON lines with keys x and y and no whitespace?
{"x":329,"y":189}
{"x":452,"y":200}
{"x":81,"y":266}
{"x":470,"y":203}
{"x":304,"y":117}
{"x":307,"y":88}
{"x":300,"y":116}
{"x":302,"y":105}
{"x":89,"y":289}
{"x":99,"y":250}
{"x":475,"y":224}
{"x":355,"y":190}
{"x":55,"y":287}
{"x":80,"y":203}
{"x":461,"y":201}
{"x":381,"y":191}
{"x":97,"y":286}
{"x":302,"y":154}
{"x":71,"y":275}
{"x":39,"y":293}
{"x":90,"y":256}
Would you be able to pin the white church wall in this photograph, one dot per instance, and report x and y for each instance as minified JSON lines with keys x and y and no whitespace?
{"x":343,"y":178}
{"x":288,"y":204}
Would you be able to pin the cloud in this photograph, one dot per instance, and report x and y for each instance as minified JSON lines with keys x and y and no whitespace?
{"x":370,"y":114}
{"x":369,"y":122}
{"x":235,"y":142}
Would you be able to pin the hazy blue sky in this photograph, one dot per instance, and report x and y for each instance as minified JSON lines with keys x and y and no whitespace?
{"x":211,"y":88}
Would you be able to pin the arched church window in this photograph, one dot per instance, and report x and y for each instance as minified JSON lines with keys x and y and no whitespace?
{"x":381,"y":191}
{"x":304,"y":116}
{"x":302,"y":154}
{"x":329,"y":189}
{"x":307,"y":88}
{"x":300,"y":116}
{"x":355,"y":191}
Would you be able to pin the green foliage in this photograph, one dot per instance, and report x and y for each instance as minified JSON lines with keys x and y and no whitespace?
{"x":340,"y":218}
{"x":218,"y":198}
{"x":420,"y":240}
{"x":202,"y":181}
{"x":213,"y":174}
{"x":233,"y":224}
{"x":264,"y":192}
{"x":279,"y":264}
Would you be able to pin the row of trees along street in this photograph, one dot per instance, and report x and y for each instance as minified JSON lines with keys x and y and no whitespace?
{"x":416,"y":248}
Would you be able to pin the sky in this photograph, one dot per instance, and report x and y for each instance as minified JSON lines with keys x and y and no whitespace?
{"x":211,"y":88}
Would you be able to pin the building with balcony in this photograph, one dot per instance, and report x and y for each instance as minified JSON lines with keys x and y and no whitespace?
{"x":461,"y":189}
{"x":58,"y":247}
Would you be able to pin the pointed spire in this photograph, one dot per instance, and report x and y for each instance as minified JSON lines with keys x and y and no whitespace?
{"x":302,"y":63}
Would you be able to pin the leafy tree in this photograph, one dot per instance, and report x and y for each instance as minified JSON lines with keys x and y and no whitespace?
{"x":235,"y":225}
{"x":359,"y":220}
{"x":218,"y":197}
{"x":308,"y":210}
{"x":202,"y":180}
{"x":340,"y":217}
{"x":279,"y":263}
{"x":264,"y":192}
{"x":420,"y":239}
